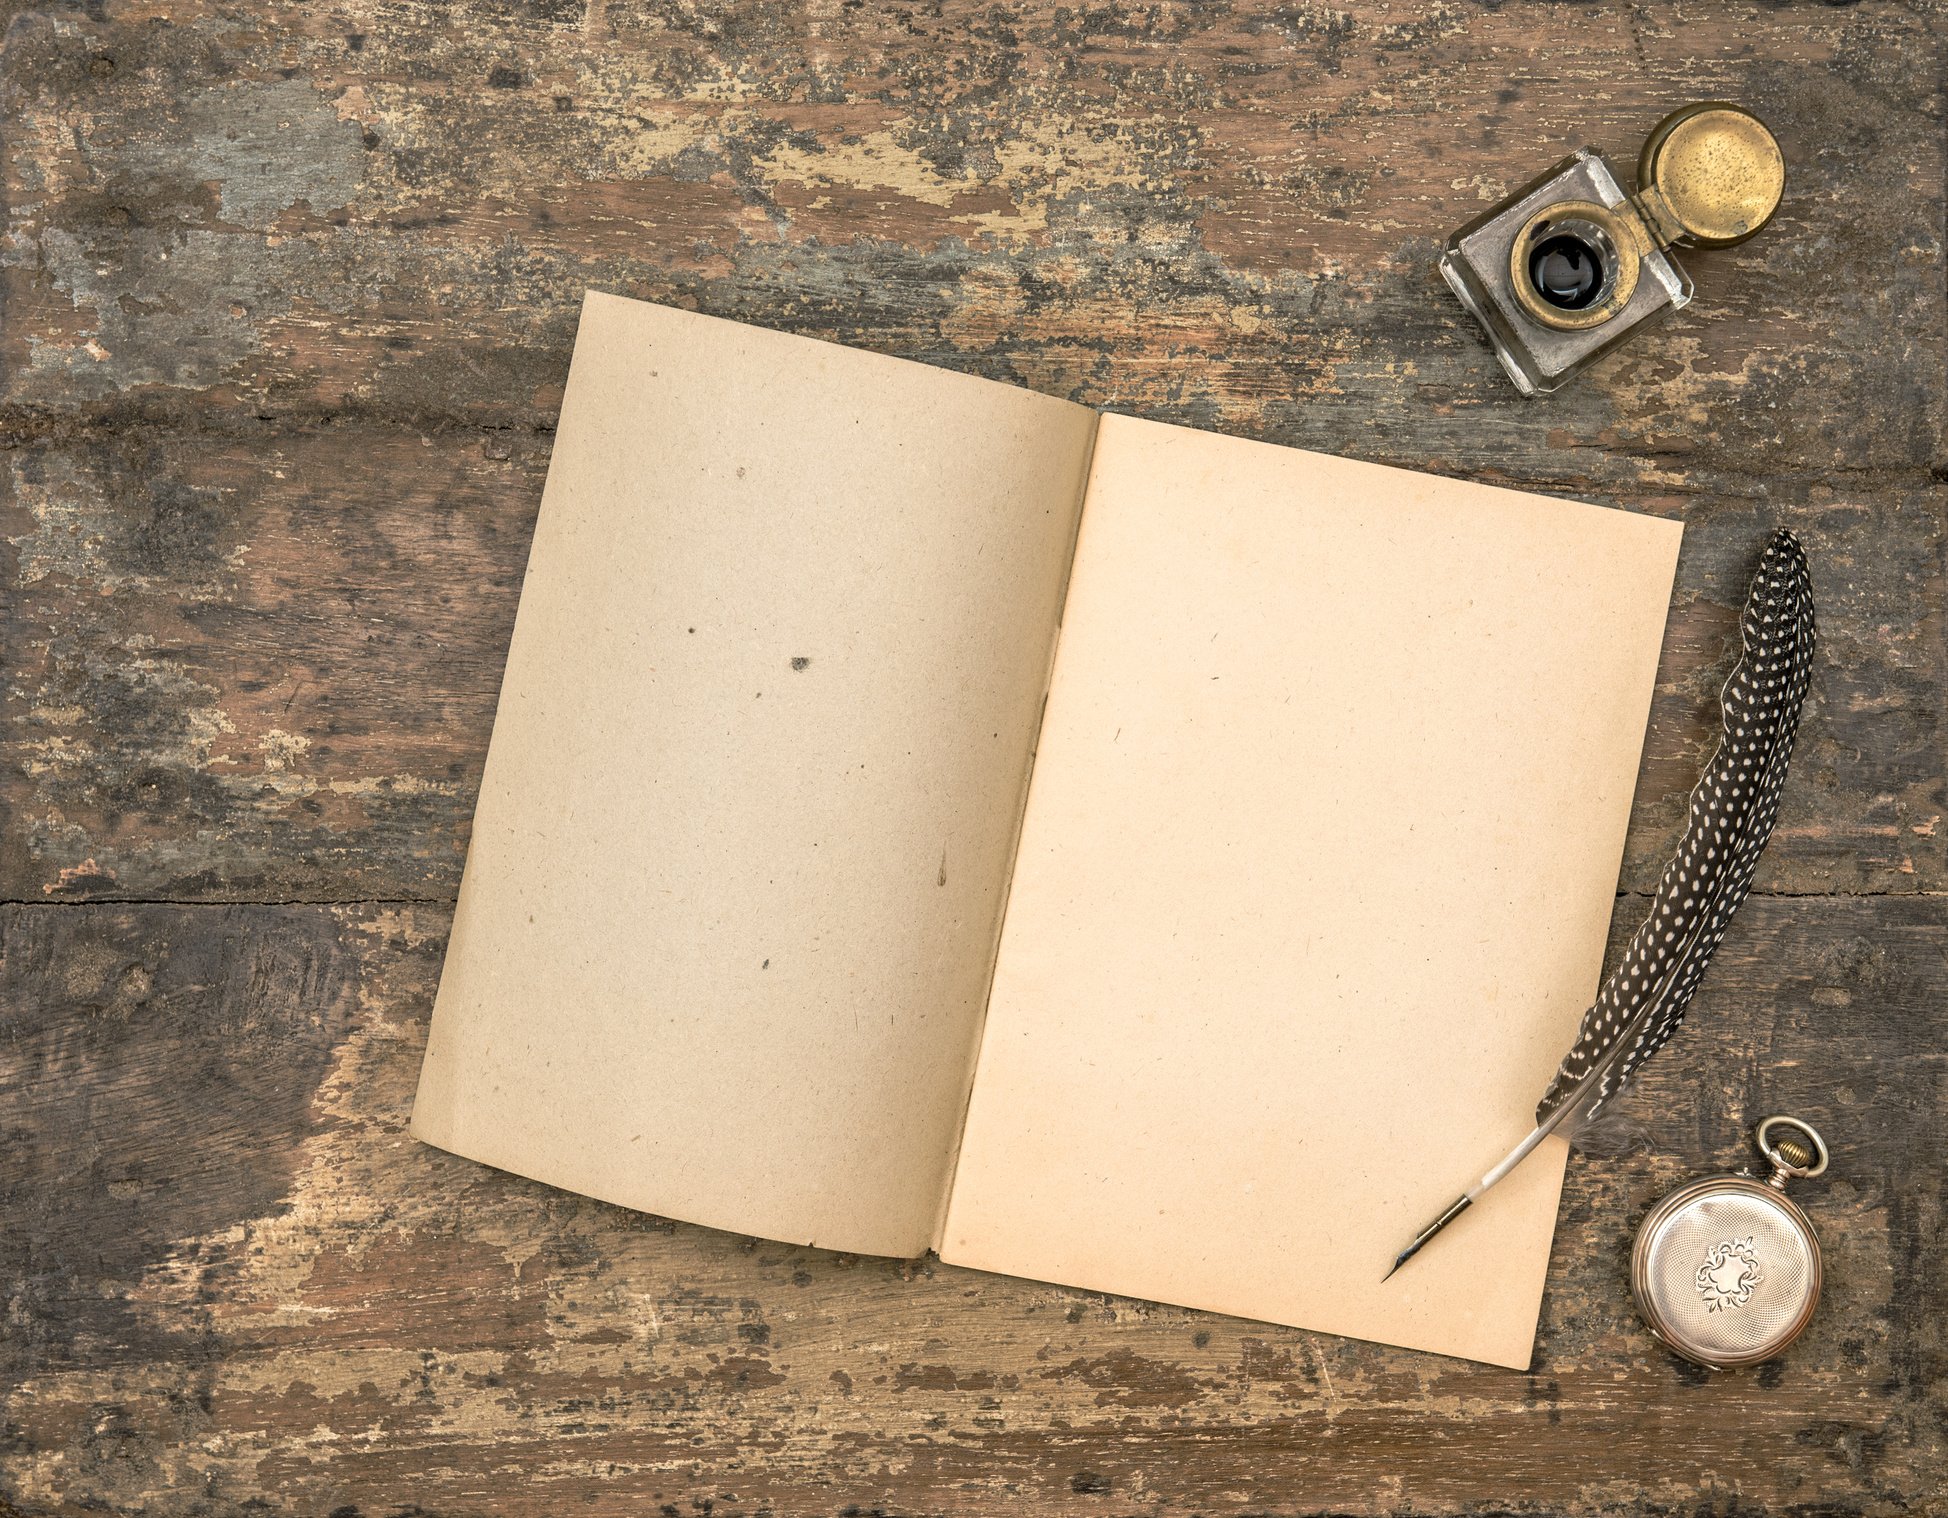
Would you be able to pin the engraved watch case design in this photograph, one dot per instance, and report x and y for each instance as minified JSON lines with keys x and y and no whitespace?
{"x":1727,"y":1271}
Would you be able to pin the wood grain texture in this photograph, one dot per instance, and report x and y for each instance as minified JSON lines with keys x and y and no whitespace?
{"x":233,"y":1277}
{"x":286,"y":296}
{"x":265,"y":668}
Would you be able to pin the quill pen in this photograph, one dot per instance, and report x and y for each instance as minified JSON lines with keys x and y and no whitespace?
{"x":1731,"y":816}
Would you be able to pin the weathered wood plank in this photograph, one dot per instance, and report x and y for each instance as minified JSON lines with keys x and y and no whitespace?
{"x":1223,"y":215}
{"x":260,"y":670}
{"x":232,"y":1281}
{"x":267,"y":669}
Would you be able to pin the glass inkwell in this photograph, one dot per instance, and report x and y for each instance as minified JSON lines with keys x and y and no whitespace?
{"x":1570,"y":264}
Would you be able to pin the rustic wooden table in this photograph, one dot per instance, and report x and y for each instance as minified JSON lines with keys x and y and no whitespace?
{"x":288,"y":297}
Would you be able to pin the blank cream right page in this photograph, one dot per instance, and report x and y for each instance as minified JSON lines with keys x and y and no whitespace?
{"x":1319,"y":858}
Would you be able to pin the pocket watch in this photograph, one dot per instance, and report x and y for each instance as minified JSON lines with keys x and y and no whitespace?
{"x":1726,"y":1271}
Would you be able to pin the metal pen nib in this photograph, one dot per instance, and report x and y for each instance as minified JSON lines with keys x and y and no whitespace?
{"x":1461,"y":1203}
{"x":1459,"y":1206}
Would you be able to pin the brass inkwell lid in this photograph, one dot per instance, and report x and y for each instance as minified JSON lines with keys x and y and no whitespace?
{"x":1709,"y":176}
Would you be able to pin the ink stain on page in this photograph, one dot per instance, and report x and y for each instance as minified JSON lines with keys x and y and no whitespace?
{"x":800,"y":662}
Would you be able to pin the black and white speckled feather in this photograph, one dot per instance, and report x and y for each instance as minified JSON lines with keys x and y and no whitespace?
{"x":1731,"y":816}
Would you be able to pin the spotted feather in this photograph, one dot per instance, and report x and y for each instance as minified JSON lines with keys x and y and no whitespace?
{"x":1731,"y":816}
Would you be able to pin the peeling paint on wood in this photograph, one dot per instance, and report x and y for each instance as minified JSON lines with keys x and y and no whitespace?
{"x":264,"y":666}
{"x":286,"y":299}
{"x":232,"y":1277}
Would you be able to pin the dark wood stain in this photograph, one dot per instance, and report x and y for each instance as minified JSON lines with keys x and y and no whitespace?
{"x":285,"y":309}
{"x":160,"y":1065}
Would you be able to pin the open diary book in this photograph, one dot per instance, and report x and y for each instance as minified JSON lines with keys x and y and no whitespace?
{"x":924,"y":814}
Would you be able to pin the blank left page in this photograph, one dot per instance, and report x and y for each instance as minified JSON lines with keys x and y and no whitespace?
{"x":723,"y":942}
